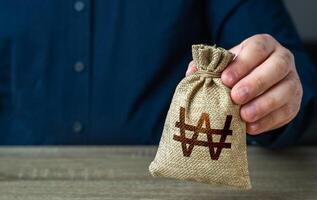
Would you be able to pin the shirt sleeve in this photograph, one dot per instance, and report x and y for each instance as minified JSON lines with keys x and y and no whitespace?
{"x":231,"y":22}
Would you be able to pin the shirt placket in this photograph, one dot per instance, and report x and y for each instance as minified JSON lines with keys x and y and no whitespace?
{"x":78,"y":101}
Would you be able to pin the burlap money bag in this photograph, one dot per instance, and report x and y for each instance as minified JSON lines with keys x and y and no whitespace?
{"x":204,"y":138}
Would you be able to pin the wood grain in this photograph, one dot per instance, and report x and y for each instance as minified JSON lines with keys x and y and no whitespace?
{"x":122,"y":173}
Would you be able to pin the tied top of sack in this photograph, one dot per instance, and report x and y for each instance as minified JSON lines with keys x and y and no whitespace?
{"x":211,"y":60}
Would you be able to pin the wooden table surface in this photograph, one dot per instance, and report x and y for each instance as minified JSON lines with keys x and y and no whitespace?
{"x":41,"y":173}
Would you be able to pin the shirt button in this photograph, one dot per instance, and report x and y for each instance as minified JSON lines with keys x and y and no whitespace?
{"x":77,"y":127}
{"x":79,"y":66}
{"x":79,"y":6}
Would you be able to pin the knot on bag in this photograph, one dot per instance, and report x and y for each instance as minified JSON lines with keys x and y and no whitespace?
{"x":211,"y":60}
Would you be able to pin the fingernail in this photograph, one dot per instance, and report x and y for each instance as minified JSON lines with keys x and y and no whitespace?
{"x":187,"y":72}
{"x":191,"y":70}
{"x":230,"y":77}
{"x":250,"y":112}
{"x":243,"y":93}
{"x":254,"y":126}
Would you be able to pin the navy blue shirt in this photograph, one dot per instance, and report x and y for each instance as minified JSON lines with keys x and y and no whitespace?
{"x":103,"y":72}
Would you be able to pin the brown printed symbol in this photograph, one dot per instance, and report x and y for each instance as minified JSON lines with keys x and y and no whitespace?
{"x":215,"y":148}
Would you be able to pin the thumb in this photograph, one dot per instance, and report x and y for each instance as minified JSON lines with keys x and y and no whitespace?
{"x":191,"y":68}
{"x":236,"y":50}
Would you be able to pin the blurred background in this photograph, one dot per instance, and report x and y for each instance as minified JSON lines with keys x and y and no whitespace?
{"x":305,"y":19}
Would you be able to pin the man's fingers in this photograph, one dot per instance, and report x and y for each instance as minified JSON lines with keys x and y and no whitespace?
{"x":191,"y":68}
{"x":267,"y":74}
{"x":274,"y":120}
{"x":273,"y":99}
{"x":252,"y":53}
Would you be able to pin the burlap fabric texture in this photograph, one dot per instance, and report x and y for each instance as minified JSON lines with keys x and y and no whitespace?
{"x":204,"y":138}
